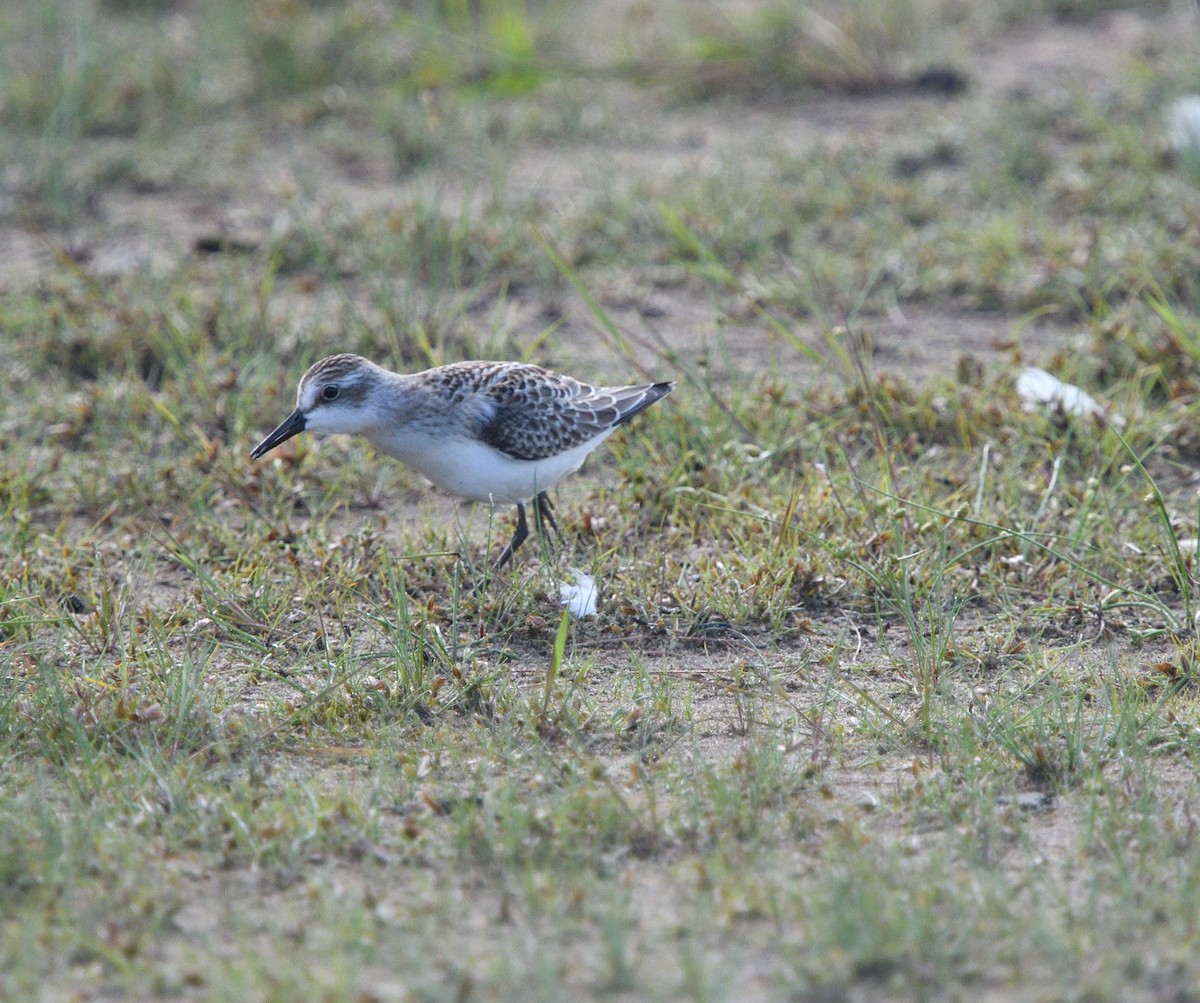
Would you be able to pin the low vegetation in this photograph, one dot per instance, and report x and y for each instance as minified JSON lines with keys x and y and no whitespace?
{"x":893,"y":688}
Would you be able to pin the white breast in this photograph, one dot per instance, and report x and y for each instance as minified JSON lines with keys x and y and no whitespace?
{"x":472,"y":469}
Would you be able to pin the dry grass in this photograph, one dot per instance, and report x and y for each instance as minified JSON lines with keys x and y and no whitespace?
{"x":892,"y":691}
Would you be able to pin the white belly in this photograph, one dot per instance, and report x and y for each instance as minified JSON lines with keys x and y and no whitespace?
{"x":472,"y":469}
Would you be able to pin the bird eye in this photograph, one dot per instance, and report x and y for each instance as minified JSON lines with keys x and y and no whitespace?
{"x":330,"y":393}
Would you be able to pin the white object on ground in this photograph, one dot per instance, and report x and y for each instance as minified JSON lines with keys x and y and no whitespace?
{"x":580,"y":598}
{"x":1037,"y":388}
{"x":1183,"y":124}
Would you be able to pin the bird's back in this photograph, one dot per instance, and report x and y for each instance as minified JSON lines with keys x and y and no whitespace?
{"x":536,"y":414}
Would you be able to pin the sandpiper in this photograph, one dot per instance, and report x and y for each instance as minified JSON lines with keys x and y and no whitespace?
{"x":499,"y":432}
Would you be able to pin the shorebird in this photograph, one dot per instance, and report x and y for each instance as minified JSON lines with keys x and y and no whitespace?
{"x":498,"y":432}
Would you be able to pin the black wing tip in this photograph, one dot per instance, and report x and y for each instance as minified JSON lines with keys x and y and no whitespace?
{"x":657,"y":391}
{"x":652,"y":393}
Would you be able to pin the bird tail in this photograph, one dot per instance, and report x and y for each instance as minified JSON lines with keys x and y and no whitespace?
{"x":633,"y":401}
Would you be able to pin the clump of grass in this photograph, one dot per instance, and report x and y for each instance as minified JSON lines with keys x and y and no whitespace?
{"x":787,"y":49}
{"x":850,"y":621}
{"x":74,"y":74}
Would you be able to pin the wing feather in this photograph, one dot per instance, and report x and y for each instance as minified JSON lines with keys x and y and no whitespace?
{"x":532,"y":414}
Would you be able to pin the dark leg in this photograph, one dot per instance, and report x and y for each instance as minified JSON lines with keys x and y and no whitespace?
{"x":518,"y":537}
{"x":544,"y":510}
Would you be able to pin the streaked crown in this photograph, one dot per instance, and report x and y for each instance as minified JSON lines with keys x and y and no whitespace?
{"x":338,"y":379}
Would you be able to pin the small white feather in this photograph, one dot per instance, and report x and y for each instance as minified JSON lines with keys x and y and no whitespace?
{"x":579,"y":598}
{"x":1038,"y":388}
{"x":1183,"y":125}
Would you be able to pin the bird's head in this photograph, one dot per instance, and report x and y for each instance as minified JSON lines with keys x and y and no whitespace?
{"x":333,"y":396}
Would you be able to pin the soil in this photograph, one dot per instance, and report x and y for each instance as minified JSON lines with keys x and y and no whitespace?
{"x":138,"y":229}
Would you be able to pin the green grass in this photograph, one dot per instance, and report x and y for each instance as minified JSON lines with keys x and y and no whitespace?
{"x":892,"y":691}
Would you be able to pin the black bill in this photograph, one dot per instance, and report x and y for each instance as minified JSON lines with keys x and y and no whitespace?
{"x":292,"y":424}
